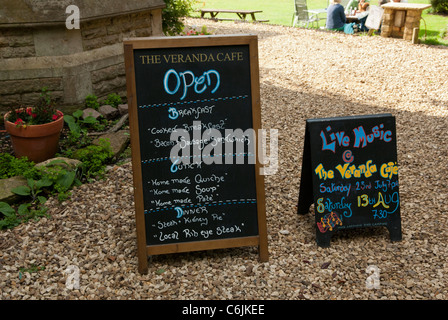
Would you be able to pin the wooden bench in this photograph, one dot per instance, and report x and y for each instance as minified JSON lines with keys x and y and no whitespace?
{"x":240,"y":13}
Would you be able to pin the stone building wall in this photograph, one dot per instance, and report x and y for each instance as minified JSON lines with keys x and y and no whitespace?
{"x":17,"y":43}
{"x":102,"y":32}
{"x":70,"y":63}
{"x":27,"y":91}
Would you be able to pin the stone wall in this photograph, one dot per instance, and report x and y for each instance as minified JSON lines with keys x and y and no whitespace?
{"x":17,"y":43}
{"x":27,"y":91}
{"x":71,"y":63}
{"x":99,"y":33}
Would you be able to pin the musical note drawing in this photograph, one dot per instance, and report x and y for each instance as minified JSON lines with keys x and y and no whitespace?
{"x":328,"y":222}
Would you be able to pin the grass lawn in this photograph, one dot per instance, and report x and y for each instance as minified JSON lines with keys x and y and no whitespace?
{"x":281,"y":12}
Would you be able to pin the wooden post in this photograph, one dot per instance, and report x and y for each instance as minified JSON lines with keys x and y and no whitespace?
{"x":141,"y":236}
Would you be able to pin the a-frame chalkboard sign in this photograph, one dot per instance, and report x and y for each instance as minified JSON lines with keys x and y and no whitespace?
{"x":190,"y":98}
{"x":350,"y":173}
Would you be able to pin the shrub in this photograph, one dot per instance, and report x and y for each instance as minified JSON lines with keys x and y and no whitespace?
{"x":440,"y":6}
{"x":94,"y":159}
{"x":92,"y":102}
{"x":172,"y":15}
{"x":113,"y":100}
{"x":11,"y":166}
{"x":62,"y":177}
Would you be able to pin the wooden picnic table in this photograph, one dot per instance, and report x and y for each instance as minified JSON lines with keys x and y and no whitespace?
{"x":241,"y":14}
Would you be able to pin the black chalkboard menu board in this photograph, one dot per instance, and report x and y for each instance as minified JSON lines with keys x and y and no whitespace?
{"x":194,"y":110}
{"x":350,"y":173}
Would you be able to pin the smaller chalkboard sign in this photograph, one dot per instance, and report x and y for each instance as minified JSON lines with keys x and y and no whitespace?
{"x":350,"y":173}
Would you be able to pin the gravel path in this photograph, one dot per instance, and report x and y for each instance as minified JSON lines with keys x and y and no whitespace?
{"x":303,"y":74}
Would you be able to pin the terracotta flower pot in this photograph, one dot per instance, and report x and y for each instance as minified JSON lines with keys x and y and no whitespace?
{"x":36,"y":142}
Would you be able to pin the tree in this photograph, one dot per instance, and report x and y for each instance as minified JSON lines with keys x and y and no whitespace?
{"x":173,"y":14}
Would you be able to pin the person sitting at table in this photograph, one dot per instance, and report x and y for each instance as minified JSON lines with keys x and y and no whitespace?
{"x":362,"y":5}
{"x":336,"y":19}
{"x":363,"y":12}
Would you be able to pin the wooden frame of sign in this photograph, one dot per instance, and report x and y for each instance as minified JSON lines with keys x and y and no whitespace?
{"x":350,"y":173}
{"x":204,"y":86}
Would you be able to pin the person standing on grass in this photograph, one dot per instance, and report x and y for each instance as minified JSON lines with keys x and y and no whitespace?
{"x":335,"y":16}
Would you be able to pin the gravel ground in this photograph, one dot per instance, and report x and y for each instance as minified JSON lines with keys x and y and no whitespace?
{"x":303,"y":74}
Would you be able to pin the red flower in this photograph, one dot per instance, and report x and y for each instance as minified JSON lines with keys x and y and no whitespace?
{"x":55,"y":117}
{"x":18,"y":122}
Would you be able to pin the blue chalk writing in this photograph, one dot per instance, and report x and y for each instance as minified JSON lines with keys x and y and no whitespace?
{"x":187,"y":79}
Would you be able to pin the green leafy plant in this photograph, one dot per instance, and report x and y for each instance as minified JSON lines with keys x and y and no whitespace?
{"x":92,"y":102}
{"x":113,"y":100}
{"x":160,"y":271}
{"x":31,"y":269}
{"x":78,"y":128}
{"x":28,"y":210}
{"x":440,"y":6}
{"x":75,"y":121}
{"x":10,"y":219}
{"x":94,"y":159}
{"x":11,"y":166}
{"x":33,"y":189}
{"x":62,"y":177}
{"x":173,"y":14}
